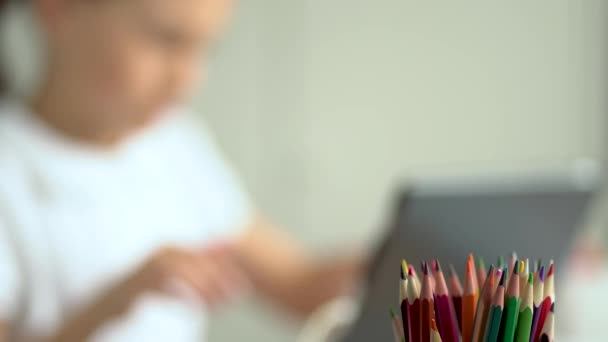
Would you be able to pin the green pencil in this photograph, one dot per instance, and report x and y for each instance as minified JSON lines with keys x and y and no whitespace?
{"x":495,"y":314}
{"x":524,"y":323}
{"x":511,"y":311}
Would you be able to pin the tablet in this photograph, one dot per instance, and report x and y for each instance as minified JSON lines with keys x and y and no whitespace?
{"x":489,"y":213}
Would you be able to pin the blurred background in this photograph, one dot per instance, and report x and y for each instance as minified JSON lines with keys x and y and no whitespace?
{"x":324,"y":106}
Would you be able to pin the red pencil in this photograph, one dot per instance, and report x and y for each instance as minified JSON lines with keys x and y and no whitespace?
{"x":413,"y":304}
{"x":456,"y":294}
{"x":469,"y":301}
{"x":427,"y":304}
{"x":548,"y":332}
{"x":445,"y":311}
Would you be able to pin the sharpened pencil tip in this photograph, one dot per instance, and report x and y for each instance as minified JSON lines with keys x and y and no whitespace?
{"x":490,"y":271}
{"x":550,"y":273}
{"x":437,"y":265}
{"x":425,"y":268}
{"x":502,"y":279}
{"x":392,"y":313}
{"x":541,"y":273}
{"x":530,"y":278}
{"x":516,"y":268}
{"x":453,"y":271}
{"x":480,"y":263}
{"x":469,"y":269}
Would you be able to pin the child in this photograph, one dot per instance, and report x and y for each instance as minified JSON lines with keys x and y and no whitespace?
{"x":117,"y":221}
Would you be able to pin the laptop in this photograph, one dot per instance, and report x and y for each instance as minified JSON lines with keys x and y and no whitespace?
{"x":489,"y":213}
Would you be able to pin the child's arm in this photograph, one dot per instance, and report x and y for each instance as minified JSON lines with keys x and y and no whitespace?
{"x":283,"y":273}
{"x":212,"y":274}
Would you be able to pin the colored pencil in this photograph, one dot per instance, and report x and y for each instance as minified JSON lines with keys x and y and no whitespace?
{"x":483,"y":306}
{"x":481,"y":272}
{"x":495,"y":314}
{"x":397,"y":328}
{"x":424,"y":264}
{"x":435,"y":301}
{"x":427,"y":308}
{"x":537,"y":301}
{"x":435,"y":336}
{"x":501,"y":262}
{"x":524,"y":323}
{"x":413,"y":305}
{"x":471,"y":259}
{"x":512,"y":261}
{"x":511,"y":311}
{"x":524,"y":269}
{"x":548,"y":299}
{"x":405,"y":314}
{"x":548,"y":332}
{"x":469,"y":300}
{"x":412,"y":270}
{"x":448,"y":327}
{"x":456,"y":294}
{"x":498,"y":276}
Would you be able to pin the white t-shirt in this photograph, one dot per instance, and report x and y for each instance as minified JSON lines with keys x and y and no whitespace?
{"x":74,"y":220}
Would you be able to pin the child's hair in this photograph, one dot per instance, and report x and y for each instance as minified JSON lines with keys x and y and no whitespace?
{"x":3,"y":80}
{"x":3,"y":4}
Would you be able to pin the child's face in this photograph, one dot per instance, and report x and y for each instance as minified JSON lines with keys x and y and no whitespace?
{"x":128,"y":59}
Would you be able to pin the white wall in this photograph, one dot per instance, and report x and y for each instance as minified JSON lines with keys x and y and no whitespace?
{"x":323,"y":105}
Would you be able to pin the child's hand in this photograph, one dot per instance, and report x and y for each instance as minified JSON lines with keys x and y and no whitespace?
{"x":212,"y":275}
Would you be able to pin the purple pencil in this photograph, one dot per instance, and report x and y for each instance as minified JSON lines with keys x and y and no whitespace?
{"x":539,"y":281}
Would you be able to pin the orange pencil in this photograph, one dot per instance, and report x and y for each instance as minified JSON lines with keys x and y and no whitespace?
{"x":471,"y":259}
{"x":469,"y":301}
{"x":427,"y":307}
{"x":483,"y":306}
{"x":435,"y":336}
